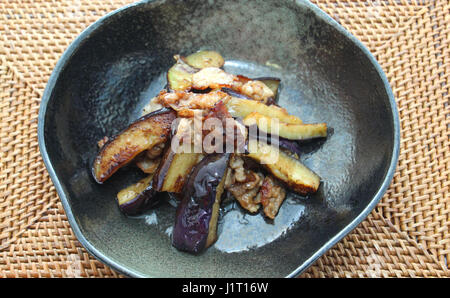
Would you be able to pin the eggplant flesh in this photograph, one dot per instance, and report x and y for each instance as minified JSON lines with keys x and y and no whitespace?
{"x":204,"y":59}
{"x":147,"y":165}
{"x":287,"y":169}
{"x":137,"y":197}
{"x":241,"y":108}
{"x":290,"y":145}
{"x":197,"y":214}
{"x":286,"y":130}
{"x":173,"y":170}
{"x":179,"y":77}
{"x":146,"y":132}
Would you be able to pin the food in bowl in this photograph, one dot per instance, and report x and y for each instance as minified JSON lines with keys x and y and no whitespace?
{"x":208,"y":135}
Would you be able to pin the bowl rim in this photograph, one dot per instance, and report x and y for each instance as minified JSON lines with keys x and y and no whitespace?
{"x":86,"y":33}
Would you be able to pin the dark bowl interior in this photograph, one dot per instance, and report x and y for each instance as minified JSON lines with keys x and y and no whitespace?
{"x":119,"y":63}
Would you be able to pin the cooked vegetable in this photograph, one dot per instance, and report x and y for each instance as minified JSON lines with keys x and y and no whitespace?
{"x":286,"y":130}
{"x":146,"y":132}
{"x":138,"y":197}
{"x":241,"y":108}
{"x":275,"y":140}
{"x":179,"y":76}
{"x":216,"y":78}
{"x":287,"y":169}
{"x":151,"y":106}
{"x":272,"y":83}
{"x":174,"y":170}
{"x":234,"y":93}
{"x":197,"y":214}
{"x":218,"y":111}
{"x":148,"y":165}
{"x":204,"y":59}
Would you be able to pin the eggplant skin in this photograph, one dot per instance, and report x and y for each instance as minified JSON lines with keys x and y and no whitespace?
{"x":143,"y":134}
{"x":138,"y":197}
{"x":204,"y":59}
{"x":275,"y":140}
{"x":286,"y":130}
{"x":179,"y":77}
{"x":234,"y":93}
{"x":174,"y":170}
{"x":197,"y":214}
{"x":241,"y":108}
{"x":285,"y":168}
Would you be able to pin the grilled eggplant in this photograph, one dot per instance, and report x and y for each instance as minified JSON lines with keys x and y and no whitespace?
{"x":204,"y":59}
{"x":179,"y":76}
{"x":148,"y":131}
{"x":287,"y":169}
{"x":147,"y":165}
{"x":174,"y":170}
{"x":197,"y":214}
{"x":274,"y":140}
{"x":286,"y":130}
{"x":138,"y":197}
{"x":241,"y":108}
{"x":234,"y":93}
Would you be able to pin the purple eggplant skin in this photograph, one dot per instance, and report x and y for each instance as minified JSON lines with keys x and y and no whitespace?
{"x":144,"y":200}
{"x":141,"y":203}
{"x":233,"y":93}
{"x":195,"y":226}
{"x":277,"y":141}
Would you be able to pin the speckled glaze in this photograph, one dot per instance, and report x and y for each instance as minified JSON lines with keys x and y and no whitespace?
{"x":115,"y":66}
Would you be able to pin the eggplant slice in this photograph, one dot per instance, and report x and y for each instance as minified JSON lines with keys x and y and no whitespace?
{"x":286,"y":130}
{"x":197,"y":214}
{"x":137,"y":197}
{"x":241,"y":108}
{"x":146,"y":132}
{"x":174,"y":170}
{"x":291,"y":146}
{"x":204,"y":59}
{"x":287,"y":169}
{"x":179,"y":76}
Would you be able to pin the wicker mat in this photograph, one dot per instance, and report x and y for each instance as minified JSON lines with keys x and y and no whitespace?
{"x":406,"y":235}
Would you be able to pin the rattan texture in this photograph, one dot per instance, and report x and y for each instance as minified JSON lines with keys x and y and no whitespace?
{"x":407,"y":235}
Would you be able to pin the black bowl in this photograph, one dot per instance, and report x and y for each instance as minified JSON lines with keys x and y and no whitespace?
{"x":113,"y":68}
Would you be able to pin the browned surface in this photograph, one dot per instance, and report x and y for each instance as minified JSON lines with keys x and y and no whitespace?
{"x":173,"y":170}
{"x":294,"y":174}
{"x":272,"y":196}
{"x":406,"y":235}
{"x":150,"y":130}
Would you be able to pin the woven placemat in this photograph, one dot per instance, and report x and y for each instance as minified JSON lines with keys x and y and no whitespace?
{"x":406,"y":235}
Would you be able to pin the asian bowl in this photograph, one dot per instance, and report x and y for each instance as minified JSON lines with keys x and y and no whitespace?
{"x":118,"y":63}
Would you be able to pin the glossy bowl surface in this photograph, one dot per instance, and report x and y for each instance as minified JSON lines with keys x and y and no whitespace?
{"x":118,"y":63}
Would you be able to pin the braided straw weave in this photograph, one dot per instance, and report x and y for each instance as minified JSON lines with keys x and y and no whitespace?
{"x":406,"y":235}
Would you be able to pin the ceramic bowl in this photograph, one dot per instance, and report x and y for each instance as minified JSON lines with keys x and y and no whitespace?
{"x":118,"y":63}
